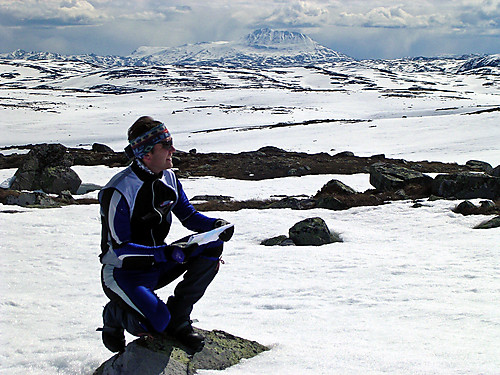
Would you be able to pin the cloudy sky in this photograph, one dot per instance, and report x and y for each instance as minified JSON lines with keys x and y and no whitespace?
{"x":359,"y":28}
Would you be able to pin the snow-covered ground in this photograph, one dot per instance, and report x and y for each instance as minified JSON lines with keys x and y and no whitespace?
{"x":409,"y":291}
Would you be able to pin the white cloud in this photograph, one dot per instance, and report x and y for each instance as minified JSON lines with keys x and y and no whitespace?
{"x":124,"y":25}
{"x":298,"y":13}
{"x":50,"y":12}
{"x":451,"y":15}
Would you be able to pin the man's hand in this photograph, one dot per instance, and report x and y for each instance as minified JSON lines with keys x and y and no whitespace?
{"x":228,"y":233}
{"x":179,"y":254}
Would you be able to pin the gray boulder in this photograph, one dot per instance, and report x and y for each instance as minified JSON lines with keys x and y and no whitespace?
{"x":480,"y":166}
{"x":47,"y":168}
{"x":29,"y":199}
{"x":312,"y":231}
{"x":99,"y":147}
{"x":293,"y":203}
{"x":335,"y":187}
{"x":390,"y":177}
{"x":485,"y":208}
{"x":164,"y":356}
{"x":465,"y":208}
{"x":278,"y":241}
{"x":330,"y":203}
{"x":87,"y":188}
{"x":466,"y":185}
{"x":57,"y":179}
{"x":489,"y":224}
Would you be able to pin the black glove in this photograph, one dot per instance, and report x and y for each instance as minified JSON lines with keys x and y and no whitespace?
{"x":228,"y":233}
{"x":179,"y":254}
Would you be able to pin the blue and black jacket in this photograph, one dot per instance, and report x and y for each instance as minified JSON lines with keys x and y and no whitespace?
{"x":136,"y":215}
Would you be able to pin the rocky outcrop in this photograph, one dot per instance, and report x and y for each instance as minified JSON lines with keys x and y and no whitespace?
{"x":479,"y":166}
{"x":394,"y":179}
{"x":47,"y":168}
{"x":466,"y":185}
{"x":165,"y":356}
{"x":267,"y":162}
{"x":330,"y":203}
{"x":495,"y":171}
{"x":390,"y":177}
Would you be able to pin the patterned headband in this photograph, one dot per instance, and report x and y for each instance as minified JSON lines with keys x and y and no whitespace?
{"x":145,"y":143}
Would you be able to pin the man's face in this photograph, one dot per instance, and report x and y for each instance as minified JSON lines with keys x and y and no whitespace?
{"x":160,"y":158}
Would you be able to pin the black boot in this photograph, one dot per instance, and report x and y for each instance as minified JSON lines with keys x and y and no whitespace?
{"x":185,"y":334}
{"x":113,"y":336}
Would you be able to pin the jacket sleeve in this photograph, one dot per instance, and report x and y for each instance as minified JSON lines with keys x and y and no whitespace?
{"x":187,"y":214}
{"x":117,"y":249}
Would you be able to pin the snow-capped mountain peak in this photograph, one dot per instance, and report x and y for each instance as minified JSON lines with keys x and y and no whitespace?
{"x":481,"y":62}
{"x":261,"y":48}
{"x":270,"y":38}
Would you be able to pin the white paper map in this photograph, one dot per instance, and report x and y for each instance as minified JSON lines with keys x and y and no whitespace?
{"x":205,"y":237}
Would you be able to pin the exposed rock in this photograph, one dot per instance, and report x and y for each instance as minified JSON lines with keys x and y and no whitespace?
{"x":344,"y":154}
{"x":488,"y":207}
{"x":164,"y":356}
{"x":312,"y":231}
{"x":489,"y":224}
{"x":267,"y":162}
{"x":40,"y":199}
{"x":465,"y":208}
{"x":469,"y":208}
{"x":334,"y":187}
{"x":99,"y":147}
{"x":417,"y":205}
{"x":332,"y":195}
{"x":99,"y":156}
{"x":28,"y":199}
{"x":278,"y":241}
{"x":480,"y":166}
{"x":466,"y":185}
{"x":390,"y":177}
{"x":271,"y":149}
{"x":433,"y":198}
{"x":211,"y":198}
{"x":47,"y":168}
{"x":57,"y":179}
{"x":330,"y":203}
{"x":87,"y":188}
{"x":495,"y":171}
{"x":293,"y":203}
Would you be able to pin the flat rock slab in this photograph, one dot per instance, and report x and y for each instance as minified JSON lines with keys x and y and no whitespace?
{"x":165,"y":356}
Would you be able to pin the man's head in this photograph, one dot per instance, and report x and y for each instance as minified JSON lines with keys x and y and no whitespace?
{"x":151,"y":141}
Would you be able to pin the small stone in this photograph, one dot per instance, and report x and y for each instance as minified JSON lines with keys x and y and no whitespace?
{"x":489,"y":224}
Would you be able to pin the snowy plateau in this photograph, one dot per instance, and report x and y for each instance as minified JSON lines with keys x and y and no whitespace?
{"x":409,"y":291}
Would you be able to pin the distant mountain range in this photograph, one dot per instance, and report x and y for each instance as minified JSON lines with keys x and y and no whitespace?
{"x":263,"y":48}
